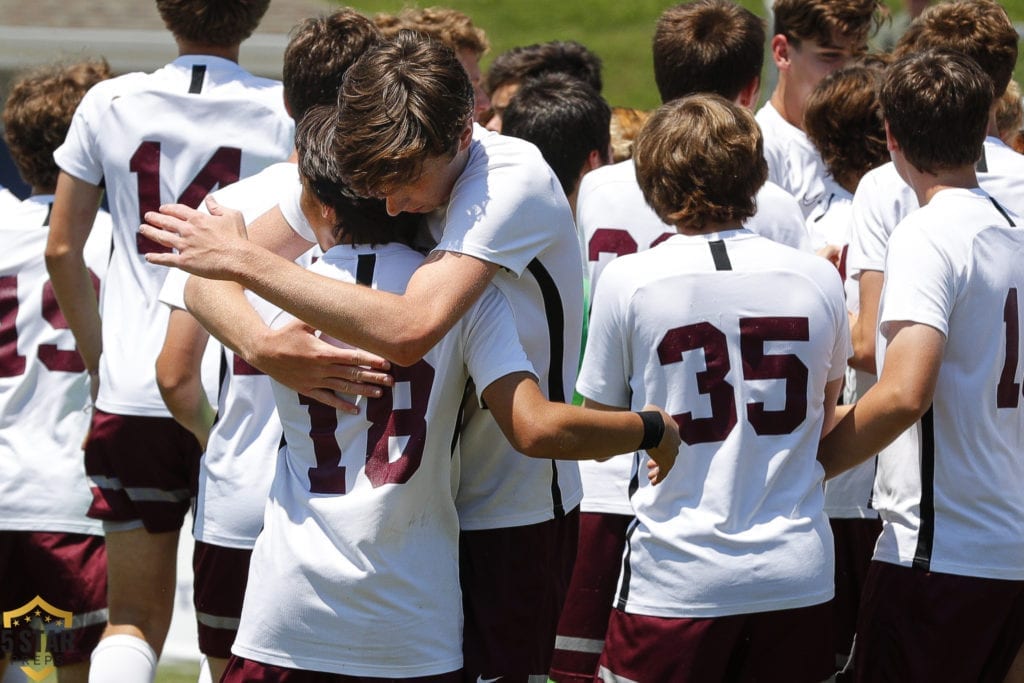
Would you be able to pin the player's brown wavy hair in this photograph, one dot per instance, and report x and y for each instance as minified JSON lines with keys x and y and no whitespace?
{"x":929,"y":94}
{"x":319,"y":53}
{"x":404,"y":101}
{"x":823,"y":20}
{"x":38,"y":114}
{"x":451,"y":27}
{"x":700,"y":160}
{"x":843,"y":119}
{"x":218,"y":23}
{"x":979,"y":29}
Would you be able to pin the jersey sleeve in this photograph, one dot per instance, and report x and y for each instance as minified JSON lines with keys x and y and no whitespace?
{"x":505,"y":213}
{"x":881,"y":201}
{"x":291,"y":209}
{"x":606,"y":369}
{"x":79,"y":155}
{"x":172,"y":293}
{"x":920,"y":285}
{"x":492,"y":347}
{"x":842,"y":349}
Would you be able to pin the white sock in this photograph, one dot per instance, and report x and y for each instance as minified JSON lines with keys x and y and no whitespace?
{"x":205,"y":675}
{"x":122,"y":658}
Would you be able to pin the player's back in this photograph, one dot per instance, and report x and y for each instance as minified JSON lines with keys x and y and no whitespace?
{"x":737,"y":336}
{"x":171,"y":136}
{"x":44,"y":389}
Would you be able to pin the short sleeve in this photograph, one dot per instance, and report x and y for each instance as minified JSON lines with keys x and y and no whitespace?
{"x":79,"y":156}
{"x":492,"y":347}
{"x":172,"y":293}
{"x":605,"y":373}
{"x":291,"y":209}
{"x":920,"y":285}
{"x":882,"y":200}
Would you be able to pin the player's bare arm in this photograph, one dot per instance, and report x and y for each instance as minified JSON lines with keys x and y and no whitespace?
{"x":74,"y":210}
{"x":400,"y":328}
{"x":901,"y":396}
{"x":540,"y":428}
{"x":179,"y":374}
{"x":866,"y":323}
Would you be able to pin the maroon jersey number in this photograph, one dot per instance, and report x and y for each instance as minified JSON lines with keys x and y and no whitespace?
{"x":1008,"y":391}
{"x":387,"y":421}
{"x":223,"y":168}
{"x":616,"y":241}
{"x":12,"y":364}
{"x":757,"y":365}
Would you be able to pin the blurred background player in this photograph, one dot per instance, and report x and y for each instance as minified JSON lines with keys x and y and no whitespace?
{"x":949,"y":554}
{"x":568,"y":121}
{"x":811,"y":38}
{"x":844,"y":121}
{"x":1010,"y":117}
{"x":511,"y":68}
{"x":198,"y":123}
{"x":728,"y":569}
{"x":454,"y":29}
{"x":242,"y":445}
{"x":625,"y":125}
{"x":45,"y":536}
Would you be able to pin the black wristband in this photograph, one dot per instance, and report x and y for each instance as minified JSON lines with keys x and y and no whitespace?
{"x":654,"y":428}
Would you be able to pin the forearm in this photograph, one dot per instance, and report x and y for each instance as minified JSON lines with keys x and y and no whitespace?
{"x":190,"y":408}
{"x":179,"y":374}
{"x":865,"y":326}
{"x":222,"y":308}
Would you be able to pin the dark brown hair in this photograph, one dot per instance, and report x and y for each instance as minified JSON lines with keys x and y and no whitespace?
{"x":557,"y":56}
{"x":451,"y":27}
{"x":38,"y":114}
{"x":700,"y":160}
{"x":822,"y":21}
{"x":218,"y":23}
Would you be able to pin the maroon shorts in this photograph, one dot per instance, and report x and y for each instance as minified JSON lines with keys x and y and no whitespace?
{"x":241,"y":670}
{"x":141,"y":468}
{"x":62,"y":573}
{"x":219,"y":587}
{"x":584,"y":619}
{"x":514,"y":581}
{"x":855,"y":544}
{"x":916,"y":625}
{"x":788,"y":646}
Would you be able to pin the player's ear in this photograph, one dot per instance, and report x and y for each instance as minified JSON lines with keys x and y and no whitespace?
{"x":466,"y":136}
{"x":748,"y":96}
{"x":780,"y":51}
{"x":890,"y":141}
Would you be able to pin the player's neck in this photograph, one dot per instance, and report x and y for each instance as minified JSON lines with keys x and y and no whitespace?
{"x":927,"y":185}
{"x":187,"y":47}
{"x":708,"y":228}
{"x":791,"y":112}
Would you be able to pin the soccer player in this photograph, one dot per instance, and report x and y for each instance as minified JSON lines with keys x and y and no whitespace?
{"x":844,"y":122}
{"x":569,"y":122}
{"x":811,"y":39}
{"x":405,"y":134}
{"x":242,"y":445}
{"x":727,"y":573}
{"x":981,"y":30}
{"x":510,"y":69}
{"x":944,"y":598}
{"x":454,"y":29}
{"x":361,"y":532}
{"x":45,"y":536}
{"x":173,"y":135}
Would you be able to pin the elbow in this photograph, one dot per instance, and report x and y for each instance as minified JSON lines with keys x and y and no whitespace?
{"x":173,"y":382}
{"x":410,"y":347}
{"x":906,"y":405}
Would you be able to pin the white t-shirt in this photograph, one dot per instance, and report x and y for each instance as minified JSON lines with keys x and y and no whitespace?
{"x":8,"y":200}
{"x":849,"y":494}
{"x":696,"y":325}
{"x":883,"y":200}
{"x":170,"y":136}
{"x":614,"y":219}
{"x":954,"y":503}
{"x":44,"y":389}
{"x":236,"y":470}
{"x":359,"y":576}
{"x":507,"y":208}
{"x":794,"y":163}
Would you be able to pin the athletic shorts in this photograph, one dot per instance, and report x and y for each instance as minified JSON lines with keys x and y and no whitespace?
{"x":141,"y":469}
{"x":514,"y":581}
{"x":916,"y":625}
{"x":241,"y":670}
{"x":220,"y":575}
{"x":61,"y":573}
{"x":584,"y":619}
{"x":784,"y":646}
{"x":855,"y":540}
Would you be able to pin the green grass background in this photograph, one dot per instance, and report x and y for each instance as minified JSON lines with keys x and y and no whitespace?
{"x":619,"y":31}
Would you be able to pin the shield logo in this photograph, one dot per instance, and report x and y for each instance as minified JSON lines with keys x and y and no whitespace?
{"x":38,"y":615}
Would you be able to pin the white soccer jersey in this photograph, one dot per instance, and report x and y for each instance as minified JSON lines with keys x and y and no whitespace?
{"x":794,"y":163}
{"x":8,"y":201}
{"x":849,"y":494}
{"x":356,"y":571}
{"x":951,"y":489}
{"x":614,"y":219}
{"x":697,"y":326}
{"x":44,"y":389}
{"x":236,"y":470}
{"x":883,"y":200}
{"x":171,"y":136}
{"x":526,"y":227}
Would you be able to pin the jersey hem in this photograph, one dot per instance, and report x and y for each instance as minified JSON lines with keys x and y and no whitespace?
{"x":1002,"y":574}
{"x":347,"y":669}
{"x":730,"y":610}
{"x":569,"y":503}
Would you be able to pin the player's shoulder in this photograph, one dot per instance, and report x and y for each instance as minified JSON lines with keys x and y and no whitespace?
{"x":605,"y":177}
{"x":260,"y":188}
{"x":493,"y":153}
{"x":773,"y":198}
